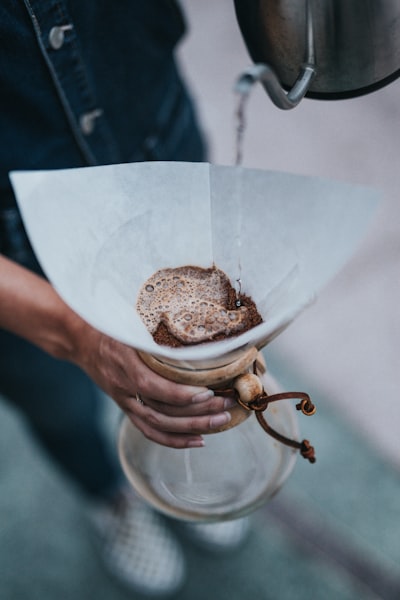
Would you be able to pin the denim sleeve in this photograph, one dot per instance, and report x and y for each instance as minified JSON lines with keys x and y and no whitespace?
{"x":86,"y":83}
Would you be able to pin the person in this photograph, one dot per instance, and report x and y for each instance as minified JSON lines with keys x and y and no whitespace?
{"x":87,"y":84}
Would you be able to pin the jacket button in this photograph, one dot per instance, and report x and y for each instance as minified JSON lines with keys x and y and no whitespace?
{"x":87,"y":121}
{"x":57,"y":36}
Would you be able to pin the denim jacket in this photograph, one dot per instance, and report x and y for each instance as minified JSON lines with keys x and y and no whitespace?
{"x":85,"y":83}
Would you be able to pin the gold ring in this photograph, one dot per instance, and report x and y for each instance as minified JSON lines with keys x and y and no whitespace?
{"x":139,"y":399}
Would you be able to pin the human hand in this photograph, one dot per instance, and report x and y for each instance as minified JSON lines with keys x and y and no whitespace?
{"x":172,"y":414}
{"x":165,"y":412}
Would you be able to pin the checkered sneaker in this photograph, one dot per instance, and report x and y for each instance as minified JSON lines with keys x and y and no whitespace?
{"x":136,"y":546}
{"x":218,"y":537}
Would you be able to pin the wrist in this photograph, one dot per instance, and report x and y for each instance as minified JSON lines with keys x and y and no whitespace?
{"x":32,"y":309}
{"x":76,"y":337}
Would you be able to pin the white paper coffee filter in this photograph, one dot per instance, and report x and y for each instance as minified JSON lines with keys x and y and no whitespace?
{"x":100,"y":232}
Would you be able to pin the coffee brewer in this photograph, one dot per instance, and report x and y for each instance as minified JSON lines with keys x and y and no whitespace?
{"x":242,"y":464}
{"x":265,"y":229}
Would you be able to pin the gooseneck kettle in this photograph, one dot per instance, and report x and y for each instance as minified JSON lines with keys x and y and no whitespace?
{"x":324,"y":49}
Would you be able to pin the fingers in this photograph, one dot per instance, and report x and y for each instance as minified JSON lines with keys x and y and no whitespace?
{"x":215,"y":405}
{"x":183,"y":424}
{"x":178,"y":441}
{"x":152,"y":385}
{"x":175,"y":432}
{"x":175,"y":415}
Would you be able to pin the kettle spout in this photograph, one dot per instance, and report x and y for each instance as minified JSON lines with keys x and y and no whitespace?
{"x":264,"y":74}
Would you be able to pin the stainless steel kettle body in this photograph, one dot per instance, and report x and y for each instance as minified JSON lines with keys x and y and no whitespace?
{"x":327,"y":48}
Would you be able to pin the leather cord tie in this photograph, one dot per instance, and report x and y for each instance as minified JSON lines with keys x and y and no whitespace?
{"x":261,"y":402}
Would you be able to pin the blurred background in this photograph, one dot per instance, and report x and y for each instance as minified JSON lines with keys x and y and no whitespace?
{"x":349,"y":341}
{"x":333,"y":531}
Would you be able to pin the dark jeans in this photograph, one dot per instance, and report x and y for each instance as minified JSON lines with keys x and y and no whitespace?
{"x":60,"y":404}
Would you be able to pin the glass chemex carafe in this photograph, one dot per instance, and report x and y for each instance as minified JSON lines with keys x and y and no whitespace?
{"x":241,"y":466}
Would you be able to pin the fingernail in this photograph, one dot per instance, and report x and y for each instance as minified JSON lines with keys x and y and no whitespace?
{"x":219,"y":420}
{"x":195,"y":443}
{"x":203,"y":396}
{"x":229,"y":403}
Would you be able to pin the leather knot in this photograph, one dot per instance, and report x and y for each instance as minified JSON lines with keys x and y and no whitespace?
{"x":307,"y":451}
